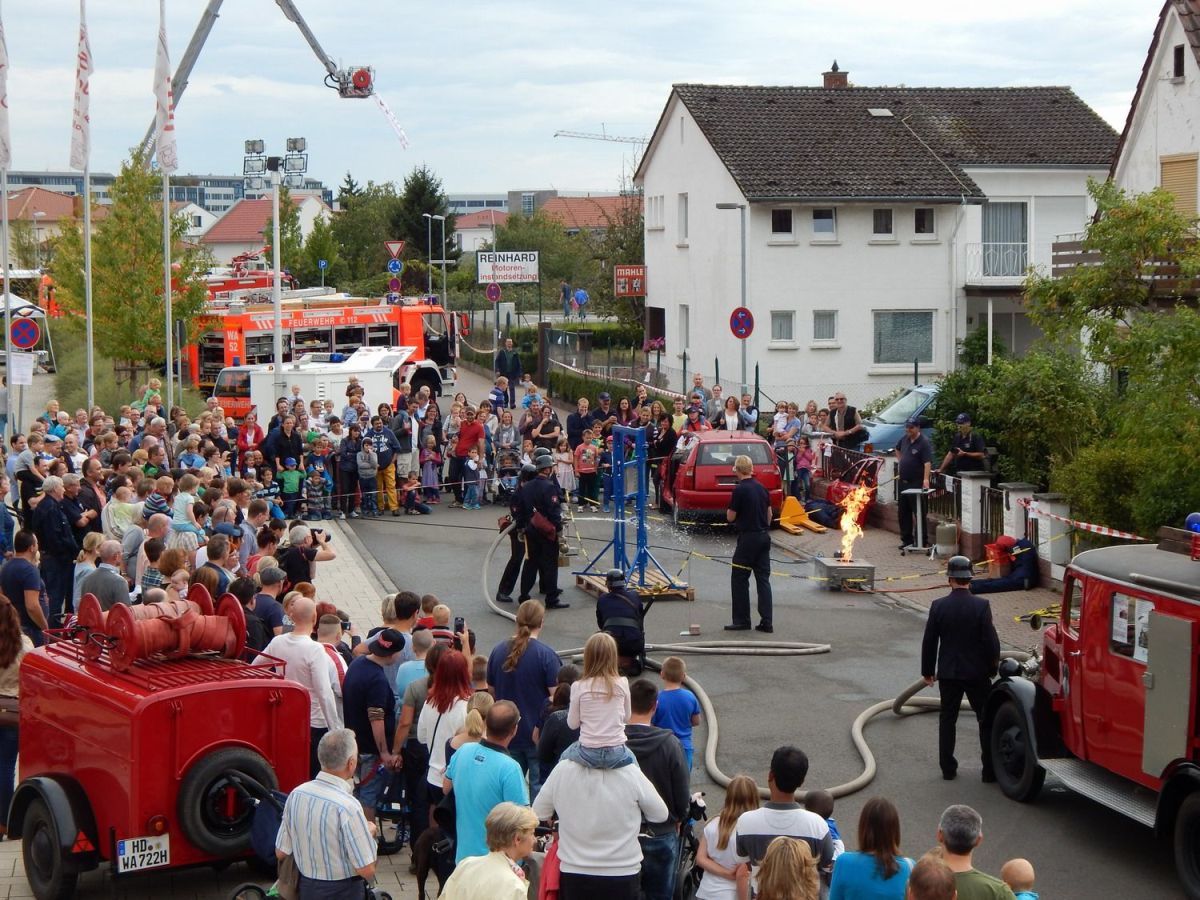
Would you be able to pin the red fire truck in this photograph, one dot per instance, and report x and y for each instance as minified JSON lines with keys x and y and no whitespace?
{"x":1109,"y":707}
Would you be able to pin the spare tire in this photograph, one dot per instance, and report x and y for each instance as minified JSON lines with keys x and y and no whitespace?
{"x":215,"y":810}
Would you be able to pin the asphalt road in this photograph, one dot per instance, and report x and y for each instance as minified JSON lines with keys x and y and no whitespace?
{"x":1079,"y":849}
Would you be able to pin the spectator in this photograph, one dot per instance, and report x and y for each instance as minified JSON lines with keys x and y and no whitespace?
{"x":410,"y":670}
{"x":698,"y":386}
{"x":107,"y":583}
{"x":717,"y":854}
{"x":444,"y":712}
{"x":523,"y":670}
{"x":413,"y":754}
{"x":470,"y":437}
{"x":1019,"y":876}
{"x":306,"y":547}
{"x":677,"y":709}
{"x":914,"y":455}
{"x":57,"y":544}
{"x":788,"y":872}
{"x":959,"y":832}
{"x":308,"y":665}
{"x":383,"y":441}
{"x":578,"y":422}
{"x":482,"y":775}
{"x":931,"y":879}
{"x":158,"y":526}
{"x":498,"y":875}
{"x":324,"y":829}
{"x":783,"y":815}
{"x":266,"y":602}
{"x":257,"y":636}
{"x":845,"y":423}
{"x":370,"y":711}
{"x":600,"y":813}
{"x":661,"y":760}
{"x":85,"y":565}
{"x":21,"y":583}
{"x":221,"y":554}
{"x":967,"y":451}
{"x":555,"y":735}
{"x":13,"y":645}
{"x":508,"y":364}
{"x":877,"y":871}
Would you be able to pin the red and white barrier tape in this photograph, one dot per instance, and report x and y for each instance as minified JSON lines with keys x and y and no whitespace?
{"x":1083,"y":526}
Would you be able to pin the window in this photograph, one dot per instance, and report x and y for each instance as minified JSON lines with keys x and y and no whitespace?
{"x":197,"y":221}
{"x":783,"y":325}
{"x":1177,"y":62}
{"x":825,"y":325}
{"x":1075,"y":609}
{"x":683,"y":218}
{"x":824,"y":223}
{"x":781,"y":221}
{"x":902,"y":336}
{"x":685,"y":327}
{"x":1005,"y":239}
{"x":1178,"y":178}
{"x":1130,"y":625}
{"x":712,"y":454}
{"x":924,"y":222}
{"x":881,"y":223}
{"x":654,"y":212}
{"x":527,"y":201}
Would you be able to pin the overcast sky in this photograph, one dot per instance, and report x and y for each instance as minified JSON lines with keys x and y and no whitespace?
{"x":480,"y":88}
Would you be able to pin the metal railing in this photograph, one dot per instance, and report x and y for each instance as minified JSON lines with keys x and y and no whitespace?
{"x":991,"y":517}
{"x":945,"y":503}
{"x":840,"y":459}
{"x":998,"y":260}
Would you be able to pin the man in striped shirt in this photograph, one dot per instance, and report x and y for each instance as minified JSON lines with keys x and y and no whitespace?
{"x":324,"y":828}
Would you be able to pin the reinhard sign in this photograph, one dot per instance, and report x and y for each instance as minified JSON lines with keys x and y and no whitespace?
{"x":507,"y":266}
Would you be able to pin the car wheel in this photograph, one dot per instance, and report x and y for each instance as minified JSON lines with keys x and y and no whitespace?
{"x":44,"y":868}
{"x":1013,"y":759}
{"x":215,"y":810}
{"x":248,"y":891}
{"x":1187,"y":845}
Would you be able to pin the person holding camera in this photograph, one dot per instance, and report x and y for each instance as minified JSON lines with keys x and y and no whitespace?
{"x":967,"y":451}
{"x":308,"y":546}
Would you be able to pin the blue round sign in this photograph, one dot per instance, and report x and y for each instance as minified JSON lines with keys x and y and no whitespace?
{"x":322,"y":263}
{"x":741,"y":323}
{"x":25,"y":333}
{"x":395,"y":266}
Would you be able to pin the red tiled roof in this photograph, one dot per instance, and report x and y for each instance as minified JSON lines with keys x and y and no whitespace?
{"x":485,"y":218}
{"x":588,"y":212}
{"x":243,"y":223}
{"x":24,"y":203}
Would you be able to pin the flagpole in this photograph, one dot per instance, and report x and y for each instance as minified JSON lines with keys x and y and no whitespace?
{"x":7,"y":306}
{"x":166,"y":194}
{"x":87,"y":285}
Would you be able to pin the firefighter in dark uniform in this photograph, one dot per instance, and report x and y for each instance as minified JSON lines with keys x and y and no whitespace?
{"x":961,"y":639}
{"x":619,"y":612}
{"x":749,"y":513}
{"x":541,"y":495}
{"x":516,"y":538}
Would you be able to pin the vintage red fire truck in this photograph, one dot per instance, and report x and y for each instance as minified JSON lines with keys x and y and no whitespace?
{"x":1109,"y":707}
{"x":134,"y":750}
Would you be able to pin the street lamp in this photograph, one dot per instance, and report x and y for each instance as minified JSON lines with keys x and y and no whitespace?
{"x":741,"y":208}
{"x":441,"y":219}
{"x":428,"y":217}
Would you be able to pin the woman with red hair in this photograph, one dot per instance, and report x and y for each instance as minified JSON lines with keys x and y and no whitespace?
{"x":444,"y":713}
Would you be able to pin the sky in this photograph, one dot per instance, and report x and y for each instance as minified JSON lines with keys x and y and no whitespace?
{"x":480,"y":89}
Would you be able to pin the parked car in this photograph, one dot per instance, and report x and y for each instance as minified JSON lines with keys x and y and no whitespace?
{"x":698,"y":478}
{"x":886,"y":428}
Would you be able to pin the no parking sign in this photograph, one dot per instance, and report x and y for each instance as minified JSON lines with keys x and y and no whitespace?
{"x":25,"y":333}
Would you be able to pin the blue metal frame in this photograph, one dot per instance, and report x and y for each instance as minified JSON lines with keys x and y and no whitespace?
{"x":642,"y":554}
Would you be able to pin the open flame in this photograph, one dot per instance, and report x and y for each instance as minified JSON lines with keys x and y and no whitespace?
{"x":852,"y":505}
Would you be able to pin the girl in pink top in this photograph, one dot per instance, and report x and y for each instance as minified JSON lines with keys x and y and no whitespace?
{"x":599,"y":708}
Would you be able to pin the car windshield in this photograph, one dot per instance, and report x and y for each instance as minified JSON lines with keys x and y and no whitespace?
{"x":724,"y":453}
{"x":232,"y":383}
{"x":906,"y":405}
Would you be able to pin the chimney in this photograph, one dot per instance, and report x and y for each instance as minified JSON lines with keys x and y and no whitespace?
{"x":835,"y":78}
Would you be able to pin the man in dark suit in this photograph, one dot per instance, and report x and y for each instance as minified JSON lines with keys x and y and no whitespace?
{"x":961,"y":639}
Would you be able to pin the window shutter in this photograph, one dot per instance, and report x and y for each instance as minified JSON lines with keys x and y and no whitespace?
{"x":1179,"y":178}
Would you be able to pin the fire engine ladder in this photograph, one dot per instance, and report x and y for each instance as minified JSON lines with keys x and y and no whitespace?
{"x":1099,"y":784}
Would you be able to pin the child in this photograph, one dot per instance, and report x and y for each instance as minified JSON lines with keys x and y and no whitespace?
{"x":297,"y":398}
{"x":804,"y":462}
{"x":718,"y":843}
{"x":119,"y":512}
{"x":564,"y":470}
{"x":600,"y":708}
{"x":1018,"y":875}
{"x":159,"y":500}
{"x":605,"y":465}
{"x":821,"y":803}
{"x":471,"y":476}
{"x":368,"y":465}
{"x":499,"y":393}
{"x":190,"y":458}
{"x":431,"y":469}
{"x":428,"y":603}
{"x":291,"y":486}
{"x":151,"y":576}
{"x":183,"y":519}
{"x":270,"y":492}
{"x":411,"y":489}
{"x":678,"y":709}
{"x":316,"y":494}
{"x":527,"y":452}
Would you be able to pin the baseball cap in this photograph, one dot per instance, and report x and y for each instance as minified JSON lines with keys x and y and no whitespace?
{"x":912,"y":423}
{"x":271,"y":575}
{"x":290,"y":461}
{"x":604,"y":395}
{"x":963,"y":419}
{"x":386,"y":642}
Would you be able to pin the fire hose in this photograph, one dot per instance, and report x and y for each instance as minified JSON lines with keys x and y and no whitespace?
{"x":905,"y":704}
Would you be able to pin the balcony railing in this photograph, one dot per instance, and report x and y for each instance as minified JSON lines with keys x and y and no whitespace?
{"x":992,"y":263}
{"x":1165,"y":279}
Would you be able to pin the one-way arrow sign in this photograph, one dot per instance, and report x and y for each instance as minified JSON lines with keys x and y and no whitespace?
{"x":394,"y":247}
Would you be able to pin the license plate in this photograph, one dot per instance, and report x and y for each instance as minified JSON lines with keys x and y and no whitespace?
{"x":136,"y":854}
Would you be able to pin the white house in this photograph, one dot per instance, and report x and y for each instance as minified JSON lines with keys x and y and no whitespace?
{"x":240,"y":230}
{"x":1160,"y":143}
{"x":474,"y":231}
{"x":882,"y":224}
{"x":199,"y":219}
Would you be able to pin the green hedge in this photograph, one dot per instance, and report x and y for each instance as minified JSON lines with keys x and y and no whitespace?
{"x":570,"y":386}
{"x":604,"y":335}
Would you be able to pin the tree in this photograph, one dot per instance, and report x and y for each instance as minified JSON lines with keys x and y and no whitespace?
{"x":348,"y":189}
{"x":24,"y":243}
{"x":291,"y":241}
{"x":321,"y":244}
{"x":621,"y":243}
{"x":422,"y":193}
{"x":361,"y":227}
{"x":127,"y":271}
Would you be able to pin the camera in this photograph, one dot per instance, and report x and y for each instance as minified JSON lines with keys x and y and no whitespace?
{"x":460,"y":624}
{"x":321,"y":531}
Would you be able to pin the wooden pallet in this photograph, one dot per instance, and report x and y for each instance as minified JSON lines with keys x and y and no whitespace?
{"x":656,"y":586}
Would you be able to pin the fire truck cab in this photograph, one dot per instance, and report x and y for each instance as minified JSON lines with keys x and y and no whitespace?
{"x":1110,"y":707}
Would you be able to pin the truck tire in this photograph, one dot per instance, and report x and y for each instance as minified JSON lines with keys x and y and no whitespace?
{"x":1013,"y":760}
{"x":1187,"y":845}
{"x":44,"y":868}
{"x":426,"y":379}
{"x":214,"y":811}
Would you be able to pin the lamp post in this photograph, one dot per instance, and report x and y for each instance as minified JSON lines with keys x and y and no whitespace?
{"x":741,"y":208}
{"x":428,"y":217}
{"x":442,"y":219}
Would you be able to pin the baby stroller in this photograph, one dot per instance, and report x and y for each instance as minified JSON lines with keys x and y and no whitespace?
{"x":508,"y":471}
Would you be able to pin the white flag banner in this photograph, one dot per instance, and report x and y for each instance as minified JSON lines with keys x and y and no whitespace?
{"x":81,"y":125}
{"x":5,"y":140}
{"x":164,"y":99}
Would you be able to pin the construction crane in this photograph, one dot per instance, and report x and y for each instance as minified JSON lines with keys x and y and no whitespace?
{"x":353,"y":82}
{"x":602,"y":136}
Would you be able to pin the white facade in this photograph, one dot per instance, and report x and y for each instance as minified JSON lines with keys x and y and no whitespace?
{"x":837,"y":306}
{"x":310,"y":208}
{"x":199,"y":220}
{"x":1164,"y":123}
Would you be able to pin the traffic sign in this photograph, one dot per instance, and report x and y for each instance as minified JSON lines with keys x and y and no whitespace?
{"x":395,"y":266}
{"x":394,"y":284}
{"x":393,"y":298}
{"x":395,"y":248}
{"x":492,"y":292}
{"x":322,"y":263}
{"x":741,"y":323}
{"x":25,"y":333}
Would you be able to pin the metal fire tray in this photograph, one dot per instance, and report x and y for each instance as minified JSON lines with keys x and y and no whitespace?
{"x":856,"y":575}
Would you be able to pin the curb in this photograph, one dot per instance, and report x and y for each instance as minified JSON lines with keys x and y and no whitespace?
{"x":352,"y":540}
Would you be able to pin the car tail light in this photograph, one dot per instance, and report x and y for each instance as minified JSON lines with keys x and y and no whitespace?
{"x":690,"y":475}
{"x":157,"y":825}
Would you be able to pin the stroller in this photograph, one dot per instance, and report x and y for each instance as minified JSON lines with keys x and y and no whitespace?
{"x":508,"y":472}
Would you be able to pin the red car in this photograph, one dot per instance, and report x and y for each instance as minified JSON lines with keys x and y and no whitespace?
{"x":698,"y":478}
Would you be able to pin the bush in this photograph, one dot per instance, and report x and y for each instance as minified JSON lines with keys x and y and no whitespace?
{"x":570,"y":386}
